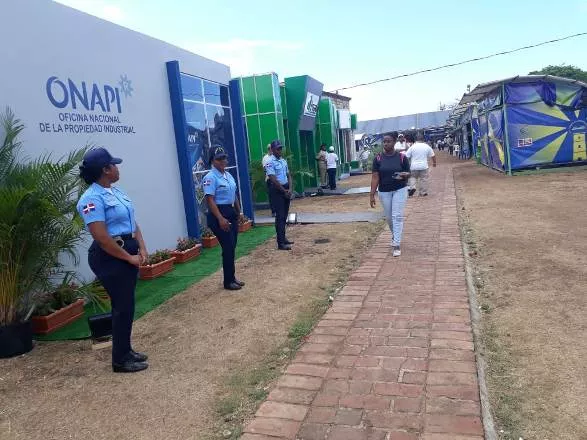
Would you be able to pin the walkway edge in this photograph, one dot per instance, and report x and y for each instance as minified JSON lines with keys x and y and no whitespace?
{"x":488,"y":424}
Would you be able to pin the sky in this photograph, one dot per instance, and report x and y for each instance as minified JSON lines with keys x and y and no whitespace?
{"x":343,"y":42}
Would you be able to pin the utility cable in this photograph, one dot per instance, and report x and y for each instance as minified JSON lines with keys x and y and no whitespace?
{"x":445,"y":66}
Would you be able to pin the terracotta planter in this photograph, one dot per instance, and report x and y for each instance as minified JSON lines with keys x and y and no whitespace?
{"x":156,"y":270}
{"x":244,"y":227}
{"x":16,"y":339}
{"x":209,"y":242}
{"x":43,"y":325}
{"x":187,"y":255}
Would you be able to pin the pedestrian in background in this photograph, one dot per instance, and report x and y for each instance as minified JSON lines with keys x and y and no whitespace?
{"x":224,"y":211}
{"x":117,"y":251}
{"x":268,"y":156}
{"x":364,"y":158}
{"x":401,"y":144}
{"x":331,"y":161}
{"x":391,"y":169}
{"x":321,"y":158}
{"x":419,"y":153}
{"x":280,"y":192}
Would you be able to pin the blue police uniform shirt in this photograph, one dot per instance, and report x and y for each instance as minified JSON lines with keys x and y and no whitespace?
{"x":278,"y":168}
{"x":221,"y":186}
{"x":98,"y":204}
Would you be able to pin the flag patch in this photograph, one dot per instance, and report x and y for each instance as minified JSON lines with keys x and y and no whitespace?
{"x":89,"y":208}
{"x":207,"y":182}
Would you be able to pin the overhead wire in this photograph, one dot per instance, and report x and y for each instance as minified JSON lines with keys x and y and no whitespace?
{"x":459,"y":63}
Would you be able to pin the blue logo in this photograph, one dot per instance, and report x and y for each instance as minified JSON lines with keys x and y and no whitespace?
{"x":88,"y":96}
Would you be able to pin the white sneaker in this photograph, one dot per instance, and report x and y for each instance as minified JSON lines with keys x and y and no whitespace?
{"x":396,"y":251}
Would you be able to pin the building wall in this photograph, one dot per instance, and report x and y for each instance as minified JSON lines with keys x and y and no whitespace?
{"x":44,"y":39}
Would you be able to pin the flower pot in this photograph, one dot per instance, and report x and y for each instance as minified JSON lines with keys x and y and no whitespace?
{"x":244,"y":227}
{"x":156,"y":270}
{"x":209,"y":242}
{"x":16,"y":339}
{"x":187,"y":255}
{"x":43,"y":325}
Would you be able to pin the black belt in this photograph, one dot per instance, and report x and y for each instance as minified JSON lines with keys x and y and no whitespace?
{"x":125,"y":236}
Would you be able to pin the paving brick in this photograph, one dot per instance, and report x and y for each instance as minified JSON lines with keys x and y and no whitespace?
{"x":347,"y":433}
{"x":454,"y":424}
{"x":320,"y":348}
{"x":385,"y":419}
{"x":453,"y":344}
{"x":345,"y":361}
{"x":323,"y":415}
{"x":351,"y":417}
{"x":454,"y":355}
{"x":301,"y":382}
{"x":313,"y":431}
{"x":339,"y":373}
{"x":314,"y":358}
{"x":334,"y":331}
{"x":453,"y":392}
{"x":444,"y":405}
{"x":273,"y":427}
{"x":308,"y":370}
{"x":326,"y":399}
{"x":453,"y":366}
{"x":398,"y":389}
{"x":325,"y":339}
{"x":281,"y":410}
{"x":413,"y":377}
{"x":431,"y":436}
{"x":407,"y":404}
{"x":256,"y":437}
{"x":292,"y":395}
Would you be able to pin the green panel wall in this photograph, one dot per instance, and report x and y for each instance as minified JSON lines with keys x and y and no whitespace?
{"x":263,"y":118}
{"x":295,"y":92}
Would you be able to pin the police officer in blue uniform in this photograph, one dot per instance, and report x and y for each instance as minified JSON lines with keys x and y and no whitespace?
{"x":280,"y":192}
{"x":117,"y":251}
{"x":224,"y":211}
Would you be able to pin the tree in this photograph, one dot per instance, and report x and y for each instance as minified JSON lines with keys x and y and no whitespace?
{"x":38,"y":222}
{"x":564,"y":71}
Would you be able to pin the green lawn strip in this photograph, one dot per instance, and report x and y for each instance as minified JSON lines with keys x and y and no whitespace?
{"x":151,"y":294}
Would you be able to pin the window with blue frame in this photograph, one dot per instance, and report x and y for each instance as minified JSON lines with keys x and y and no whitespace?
{"x":208,"y":116}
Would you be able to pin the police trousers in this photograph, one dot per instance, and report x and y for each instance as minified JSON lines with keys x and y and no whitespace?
{"x":281,"y":204}
{"x":332,"y":178}
{"x":119,"y":278}
{"x":227,"y":240}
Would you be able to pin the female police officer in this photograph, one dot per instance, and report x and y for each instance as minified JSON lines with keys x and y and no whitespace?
{"x":117,"y":251}
{"x":223,"y":213}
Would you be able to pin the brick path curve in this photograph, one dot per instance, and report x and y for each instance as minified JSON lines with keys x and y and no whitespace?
{"x":393,"y":358}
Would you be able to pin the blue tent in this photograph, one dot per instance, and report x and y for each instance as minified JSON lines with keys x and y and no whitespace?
{"x":527,"y":122}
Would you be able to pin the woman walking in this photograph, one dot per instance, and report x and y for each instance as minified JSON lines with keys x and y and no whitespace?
{"x":391,"y":170}
{"x":117,"y":251}
{"x":224,"y":211}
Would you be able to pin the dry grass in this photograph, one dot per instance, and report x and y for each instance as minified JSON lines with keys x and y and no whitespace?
{"x":197,"y":342}
{"x":529,"y":241}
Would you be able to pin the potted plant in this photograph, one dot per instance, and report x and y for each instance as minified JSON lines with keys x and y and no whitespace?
{"x":38,"y":225}
{"x":158,"y":264}
{"x":244,"y":223}
{"x":209,"y":240}
{"x":58,"y":308}
{"x":187,"y":249}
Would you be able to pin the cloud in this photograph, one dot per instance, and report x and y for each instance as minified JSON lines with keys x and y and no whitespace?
{"x":245,"y":57}
{"x":100,"y":9}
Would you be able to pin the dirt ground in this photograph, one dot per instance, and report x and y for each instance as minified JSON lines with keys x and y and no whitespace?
{"x":195,"y":341}
{"x":528,"y":241}
{"x":330,"y":204}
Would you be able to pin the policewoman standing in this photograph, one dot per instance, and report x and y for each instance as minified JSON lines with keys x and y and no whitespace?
{"x":224,"y":211}
{"x":117,"y":251}
{"x":280,"y":192}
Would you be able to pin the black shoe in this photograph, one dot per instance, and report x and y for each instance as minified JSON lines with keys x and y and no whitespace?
{"x":138,"y":357}
{"x":130,"y":366}
{"x":233,"y":286}
{"x":240,"y":283}
{"x":288,"y":242}
{"x":411,"y":192}
{"x":284,"y":247}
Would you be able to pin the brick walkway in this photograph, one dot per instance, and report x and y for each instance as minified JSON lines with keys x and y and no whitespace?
{"x":393,"y":359}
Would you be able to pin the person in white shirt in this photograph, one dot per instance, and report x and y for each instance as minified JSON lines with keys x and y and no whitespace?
{"x":364,"y":157}
{"x":419,"y":153}
{"x":401,"y":145}
{"x":331,"y":161}
{"x":266,"y":159}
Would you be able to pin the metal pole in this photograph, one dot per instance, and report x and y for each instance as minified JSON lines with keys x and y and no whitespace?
{"x":505,"y":123}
